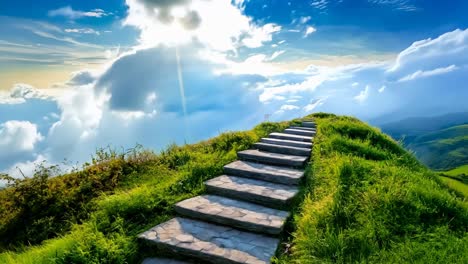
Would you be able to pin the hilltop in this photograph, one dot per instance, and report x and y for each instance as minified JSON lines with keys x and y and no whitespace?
{"x":364,"y":199}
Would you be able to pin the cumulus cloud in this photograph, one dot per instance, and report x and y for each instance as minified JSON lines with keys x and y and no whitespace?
{"x":309,"y":30}
{"x":20,"y":93}
{"x":81,"y":77}
{"x":183,"y":21}
{"x":314,"y":104}
{"x":18,"y":136}
{"x":363,"y":95}
{"x":259,"y":35}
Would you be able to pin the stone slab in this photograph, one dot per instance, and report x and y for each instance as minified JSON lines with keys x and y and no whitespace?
{"x":261,"y":192}
{"x":235,"y":213}
{"x":209,"y":242}
{"x":284,"y":142}
{"x":299,"y":132}
{"x":309,"y":124}
{"x":290,"y":137}
{"x":282,"y":149}
{"x":272,"y":158}
{"x":304,"y":128}
{"x":264,"y":172}
{"x":163,"y":261}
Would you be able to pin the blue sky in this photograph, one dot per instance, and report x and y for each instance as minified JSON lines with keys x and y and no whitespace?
{"x":78,"y":75}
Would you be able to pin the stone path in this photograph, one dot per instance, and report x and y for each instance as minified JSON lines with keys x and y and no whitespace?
{"x":238,"y":221}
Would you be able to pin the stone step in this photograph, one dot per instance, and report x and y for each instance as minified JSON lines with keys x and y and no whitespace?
{"x":299,"y":132}
{"x":234,"y":213}
{"x":261,"y":192}
{"x":163,"y":261}
{"x":309,"y":124}
{"x":272,"y":158}
{"x":284,"y":142}
{"x":209,"y":242}
{"x":290,"y":137}
{"x":264,"y":172}
{"x":282,"y":149}
{"x":303,"y":128}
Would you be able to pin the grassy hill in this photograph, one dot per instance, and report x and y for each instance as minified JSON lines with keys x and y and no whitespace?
{"x":440,"y":142}
{"x":364,"y":199}
{"x":457,"y":179}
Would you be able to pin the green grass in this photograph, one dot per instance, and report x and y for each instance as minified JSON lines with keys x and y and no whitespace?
{"x":457,"y":185}
{"x":441,"y":150}
{"x":369,"y":201}
{"x":457,"y":171}
{"x":144,"y":189}
{"x":364,"y":200}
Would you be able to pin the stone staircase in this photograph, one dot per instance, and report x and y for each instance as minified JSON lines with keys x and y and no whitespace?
{"x":241,"y":217}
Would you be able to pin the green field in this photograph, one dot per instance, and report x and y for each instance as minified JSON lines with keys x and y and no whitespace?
{"x":364,"y":200}
{"x":457,"y":171}
{"x":441,"y":143}
{"x":456,"y":185}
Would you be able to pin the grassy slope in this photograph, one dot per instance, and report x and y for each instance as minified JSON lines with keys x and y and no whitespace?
{"x":456,"y":185}
{"x":457,"y":179}
{"x":457,"y":171}
{"x":140,"y":201}
{"x":365,"y":200}
{"x":444,"y":149}
{"x":368,"y":200}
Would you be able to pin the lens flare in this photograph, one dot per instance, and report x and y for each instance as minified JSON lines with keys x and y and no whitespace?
{"x":182,"y":94}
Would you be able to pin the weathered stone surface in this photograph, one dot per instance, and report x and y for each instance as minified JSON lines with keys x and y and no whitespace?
{"x":163,"y":261}
{"x":266,"y":193}
{"x":304,"y":128}
{"x":230,"y":212}
{"x":282,"y":149}
{"x":264,"y":172}
{"x":299,"y":132}
{"x":283,"y":142}
{"x":211,"y":243}
{"x":309,"y":124}
{"x":272,"y":158}
{"x":290,"y":137}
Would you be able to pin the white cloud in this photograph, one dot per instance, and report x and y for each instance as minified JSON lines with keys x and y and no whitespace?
{"x":382,"y":89}
{"x":68,"y":12}
{"x":309,"y":30}
{"x":259,"y":35}
{"x":450,"y":48}
{"x":320,"y":4}
{"x":286,"y":107}
{"x":314,"y":104}
{"x":155,"y":19}
{"x":304,"y":19}
{"x":354,"y":84}
{"x":276,"y":54}
{"x":82,"y":31}
{"x":402,"y":5}
{"x":20,"y":92}
{"x":422,"y":74}
{"x":18,"y":136}
{"x":26,"y":167}
{"x":363,"y":95}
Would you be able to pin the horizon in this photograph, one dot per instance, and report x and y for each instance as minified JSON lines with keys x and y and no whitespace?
{"x":78,"y":76}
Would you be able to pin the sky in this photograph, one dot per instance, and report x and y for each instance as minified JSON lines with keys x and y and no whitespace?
{"x":76,"y":76}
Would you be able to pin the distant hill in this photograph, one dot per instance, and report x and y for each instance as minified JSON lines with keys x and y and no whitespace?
{"x":439,"y":142}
